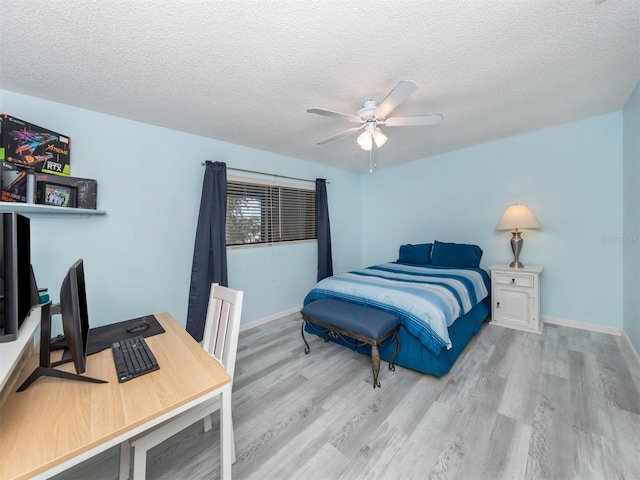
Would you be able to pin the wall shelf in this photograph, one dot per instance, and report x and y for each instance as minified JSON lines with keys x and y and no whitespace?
{"x":34,"y":208}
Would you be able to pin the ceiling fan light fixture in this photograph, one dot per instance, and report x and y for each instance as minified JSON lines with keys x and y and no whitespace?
{"x":379,"y":137}
{"x":365,"y":141}
{"x":373,"y":114}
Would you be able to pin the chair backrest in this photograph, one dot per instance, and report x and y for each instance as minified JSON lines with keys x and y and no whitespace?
{"x":222,"y":325}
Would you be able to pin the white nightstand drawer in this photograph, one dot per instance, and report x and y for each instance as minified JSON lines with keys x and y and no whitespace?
{"x":518,"y":280}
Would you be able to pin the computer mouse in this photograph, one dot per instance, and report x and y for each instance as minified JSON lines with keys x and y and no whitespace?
{"x":139,"y":327}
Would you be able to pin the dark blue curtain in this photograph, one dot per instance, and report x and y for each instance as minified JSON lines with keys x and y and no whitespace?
{"x":325,"y":264}
{"x":210,"y":251}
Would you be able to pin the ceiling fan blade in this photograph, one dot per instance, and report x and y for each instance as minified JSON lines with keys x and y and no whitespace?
{"x":331,"y":113}
{"x":414,"y":120}
{"x":340,"y":135}
{"x":395,"y":97}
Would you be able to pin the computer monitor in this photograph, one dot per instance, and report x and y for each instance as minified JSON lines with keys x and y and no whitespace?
{"x":75,"y":326}
{"x":16,"y":275}
{"x":75,"y":317}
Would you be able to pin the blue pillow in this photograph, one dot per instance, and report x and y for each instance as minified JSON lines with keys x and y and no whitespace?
{"x":415,"y":254}
{"x":455,"y":255}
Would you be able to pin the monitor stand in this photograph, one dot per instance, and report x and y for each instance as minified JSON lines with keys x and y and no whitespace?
{"x":44,"y":369}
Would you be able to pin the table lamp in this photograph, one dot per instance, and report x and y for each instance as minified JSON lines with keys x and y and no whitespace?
{"x":515,"y":218}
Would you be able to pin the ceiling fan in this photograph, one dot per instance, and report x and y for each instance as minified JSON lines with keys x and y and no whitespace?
{"x":371,"y":116}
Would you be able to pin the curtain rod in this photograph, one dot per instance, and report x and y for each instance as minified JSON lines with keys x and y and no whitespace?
{"x":269,"y":174}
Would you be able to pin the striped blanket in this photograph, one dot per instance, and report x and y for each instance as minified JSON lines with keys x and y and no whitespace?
{"x":426,"y":299}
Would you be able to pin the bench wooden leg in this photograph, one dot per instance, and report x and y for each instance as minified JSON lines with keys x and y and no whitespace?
{"x":392,"y":365}
{"x":306,"y":345}
{"x":375,"y":364}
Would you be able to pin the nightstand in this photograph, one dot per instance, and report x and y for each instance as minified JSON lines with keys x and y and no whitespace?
{"x":515,"y":297}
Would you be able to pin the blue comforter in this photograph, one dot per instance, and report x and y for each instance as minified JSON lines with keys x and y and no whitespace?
{"x":426,"y":299}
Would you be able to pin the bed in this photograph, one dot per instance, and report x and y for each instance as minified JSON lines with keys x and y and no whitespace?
{"x":438,"y":291}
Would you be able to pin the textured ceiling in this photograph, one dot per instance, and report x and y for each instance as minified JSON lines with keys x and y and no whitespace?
{"x":245,"y":71}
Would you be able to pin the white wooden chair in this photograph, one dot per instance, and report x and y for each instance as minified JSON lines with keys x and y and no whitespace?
{"x":221,"y":331}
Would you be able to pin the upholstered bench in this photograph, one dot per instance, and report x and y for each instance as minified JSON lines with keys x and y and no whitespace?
{"x":353,"y":323}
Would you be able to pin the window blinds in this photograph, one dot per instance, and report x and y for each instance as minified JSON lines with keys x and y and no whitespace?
{"x":261,"y":212}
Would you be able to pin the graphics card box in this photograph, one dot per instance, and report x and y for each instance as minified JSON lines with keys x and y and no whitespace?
{"x":34,"y":147}
{"x":66,"y":191}
{"x":13,"y":180}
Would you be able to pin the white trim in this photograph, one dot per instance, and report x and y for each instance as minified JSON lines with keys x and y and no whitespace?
{"x":631,"y":347}
{"x":272,"y":183}
{"x":271,"y":244}
{"x":269,"y":318}
{"x":581,"y":325}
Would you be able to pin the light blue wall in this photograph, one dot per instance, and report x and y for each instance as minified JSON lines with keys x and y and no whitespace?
{"x":631,"y":219}
{"x":138,"y":256}
{"x":571,"y":178}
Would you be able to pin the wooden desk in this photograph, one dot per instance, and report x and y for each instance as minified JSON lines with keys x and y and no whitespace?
{"x":57,"y":423}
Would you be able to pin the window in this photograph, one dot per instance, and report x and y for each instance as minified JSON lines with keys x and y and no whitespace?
{"x":265,"y":212}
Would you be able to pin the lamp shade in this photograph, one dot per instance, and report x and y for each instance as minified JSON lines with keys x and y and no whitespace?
{"x":365,"y":141}
{"x":379,"y":137}
{"x":518,"y":217}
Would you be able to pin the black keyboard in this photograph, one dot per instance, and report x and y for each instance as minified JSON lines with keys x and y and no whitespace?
{"x":133,"y":358}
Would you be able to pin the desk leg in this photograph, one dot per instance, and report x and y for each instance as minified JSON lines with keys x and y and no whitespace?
{"x":225,"y":432}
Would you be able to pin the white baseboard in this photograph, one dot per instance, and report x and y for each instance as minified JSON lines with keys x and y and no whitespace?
{"x":631,"y":347}
{"x":581,"y":325}
{"x":593,"y":328}
{"x":269,"y":318}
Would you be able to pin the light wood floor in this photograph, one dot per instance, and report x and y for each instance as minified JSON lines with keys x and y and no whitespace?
{"x":561,"y":405}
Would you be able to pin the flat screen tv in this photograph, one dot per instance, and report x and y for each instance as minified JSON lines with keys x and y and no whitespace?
{"x":16,"y":275}
{"x":75,"y":327}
